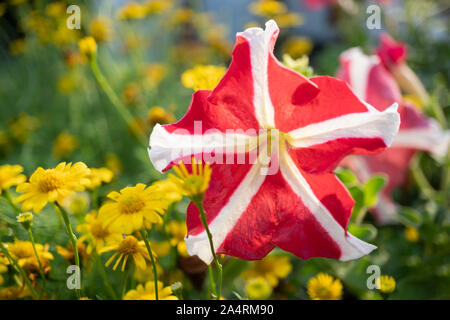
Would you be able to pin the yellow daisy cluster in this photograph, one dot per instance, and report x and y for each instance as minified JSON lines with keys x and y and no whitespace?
{"x":202,"y":77}
{"x":324,"y":287}
{"x":272,"y":268}
{"x":277,"y":10}
{"x":386,"y":284}
{"x":135,"y":10}
{"x":147,"y":292}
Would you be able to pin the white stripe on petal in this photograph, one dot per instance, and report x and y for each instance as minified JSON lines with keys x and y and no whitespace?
{"x":351,"y":247}
{"x":432,"y":139}
{"x":167,"y":147}
{"x":371,"y":124}
{"x":261,"y":42}
{"x":360,"y":66}
{"x":228,"y":216}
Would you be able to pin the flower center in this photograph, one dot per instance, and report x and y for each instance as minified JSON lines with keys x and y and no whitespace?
{"x":50,"y":182}
{"x":128,"y":245}
{"x":98,"y":231}
{"x":131,"y":204}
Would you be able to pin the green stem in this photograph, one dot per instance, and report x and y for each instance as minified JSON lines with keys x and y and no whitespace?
{"x":41,"y":269}
{"x":121,"y":109}
{"x":104,"y":276}
{"x":144,"y":236}
{"x":73,"y":239}
{"x":422,"y":181}
{"x":19,"y":270}
{"x":198,"y":203}
{"x":360,"y":217}
{"x":212,"y":283}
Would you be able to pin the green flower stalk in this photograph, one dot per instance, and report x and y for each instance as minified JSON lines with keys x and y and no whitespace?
{"x":144,"y":236}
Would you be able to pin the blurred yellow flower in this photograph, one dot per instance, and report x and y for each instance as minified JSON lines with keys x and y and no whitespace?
{"x":131,"y":93}
{"x":96,"y":233}
{"x":324,"y":287}
{"x":267,"y":8}
{"x":113,"y":163}
{"x":76,"y":203}
{"x":159,"y":115}
{"x":203,"y":77}
{"x":287,"y":20}
{"x":3,"y":269}
{"x":66,"y":84}
{"x":148,"y":292}
{"x":296,"y":47}
{"x":145,"y":275}
{"x":128,"y":247}
{"x":154,"y":74}
{"x":132,"y":10}
{"x":162,"y":248}
{"x":132,"y":207}
{"x":50,"y":185}
{"x":178,"y":231}
{"x":23,"y":253}
{"x":412,"y":234}
{"x":97,"y":176}
{"x":67,"y":253}
{"x":272,"y":268}
{"x":386,"y":284}
{"x":56,"y":9}
{"x":21,"y":127}
{"x":10,"y":175}
{"x":17,"y":47}
{"x":192,"y":184}
{"x":87,"y":46}
{"x":2,"y":9}
{"x":14,"y":293}
{"x":100,"y":29}
{"x":64,"y":145}
{"x":258,"y":288}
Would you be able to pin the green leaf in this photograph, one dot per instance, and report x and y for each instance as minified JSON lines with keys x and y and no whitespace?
{"x":365,"y":232}
{"x":347,"y":177}
{"x":371,"y":189}
{"x":410,"y":217}
{"x":358,"y":196}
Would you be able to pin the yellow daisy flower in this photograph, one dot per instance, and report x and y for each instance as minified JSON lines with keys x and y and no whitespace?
{"x":10,"y":175}
{"x":258,"y":288}
{"x":412,"y":234}
{"x":23,"y":253}
{"x":192,"y":184}
{"x":159,"y":115}
{"x":67,"y":253}
{"x":203,"y":77}
{"x":178,"y":231}
{"x":100,"y":29}
{"x":97,"y":176}
{"x":272,"y":268}
{"x":324,"y":287}
{"x":126,"y":247}
{"x":148,"y":292}
{"x":144,"y":275}
{"x":64,"y":145}
{"x":96,"y":233}
{"x":87,"y":46}
{"x":3,"y":269}
{"x":52,"y":185}
{"x":76,"y":203}
{"x":267,"y":8}
{"x":132,"y":208}
{"x":386,"y":284}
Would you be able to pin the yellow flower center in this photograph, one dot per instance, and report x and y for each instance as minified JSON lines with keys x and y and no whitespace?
{"x":131,"y":204}
{"x":98,"y":231}
{"x":129,"y":245}
{"x":50,"y":182}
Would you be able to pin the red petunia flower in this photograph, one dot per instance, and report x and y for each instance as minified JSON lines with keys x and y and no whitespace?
{"x":391,"y":52}
{"x":297,"y":130}
{"x":373,"y":83}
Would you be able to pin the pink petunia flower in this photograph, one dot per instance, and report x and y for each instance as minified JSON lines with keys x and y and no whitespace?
{"x":373,"y":83}
{"x":296,"y":130}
